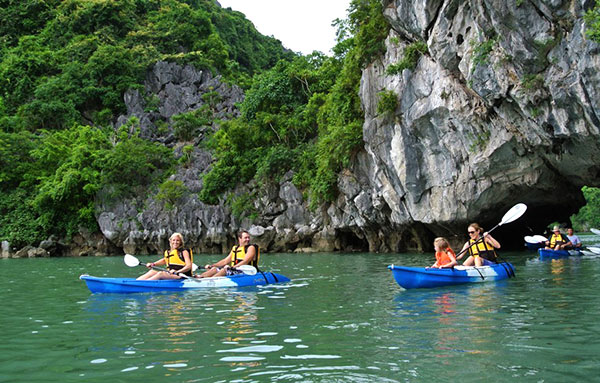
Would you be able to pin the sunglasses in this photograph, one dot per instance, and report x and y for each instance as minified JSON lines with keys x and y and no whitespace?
{"x":471,"y":232}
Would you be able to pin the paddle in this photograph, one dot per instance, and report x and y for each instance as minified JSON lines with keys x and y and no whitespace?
{"x":535,"y":239}
{"x":595,"y":231}
{"x":595,"y":250}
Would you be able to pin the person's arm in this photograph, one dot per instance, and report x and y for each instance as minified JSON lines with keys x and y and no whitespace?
{"x":463,"y":251}
{"x":160,"y":262}
{"x":489,"y":239}
{"x":221,"y":263}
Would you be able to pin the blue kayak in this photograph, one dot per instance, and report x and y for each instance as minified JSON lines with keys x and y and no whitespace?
{"x":555,"y":254}
{"x":131,"y":285}
{"x":422,"y":277}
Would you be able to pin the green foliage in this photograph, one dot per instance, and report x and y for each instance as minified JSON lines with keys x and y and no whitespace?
{"x":49,"y":182}
{"x":482,"y":50}
{"x":304,"y":115}
{"x":387,"y":102}
{"x":170,"y":192}
{"x":134,"y":164}
{"x":479,"y":141}
{"x":186,"y":125}
{"x":592,"y":22}
{"x":69,"y":62}
{"x":412,"y":53}
{"x":242,"y":206}
{"x":589,"y":215}
{"x":532,"y":82}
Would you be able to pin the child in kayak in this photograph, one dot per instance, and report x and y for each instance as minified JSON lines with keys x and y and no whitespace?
{"x":444,"y":255}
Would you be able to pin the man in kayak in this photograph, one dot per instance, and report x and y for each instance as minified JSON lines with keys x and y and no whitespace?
{"x":575,"y":241}
{"x":241,"y":254}
{"x":557,"y":241}
{"x":481,"y":247}
{"x":177,"y":259}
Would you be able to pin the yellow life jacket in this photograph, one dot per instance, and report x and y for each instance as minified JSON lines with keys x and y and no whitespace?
{"x":557,"y":239}
{"x":175,"y":260}
{"x":238,"y":253}
{"x":482,"y":249}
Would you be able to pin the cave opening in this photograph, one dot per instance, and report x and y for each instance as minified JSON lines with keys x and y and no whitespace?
{"x":352,"y":243}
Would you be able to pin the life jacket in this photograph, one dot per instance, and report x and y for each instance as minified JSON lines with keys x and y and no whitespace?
{"x":557,"y":239}
{"x":238,"y":253}
{"x":442,"y":257}
{"x":482,"y":249}
{"x":175,"y":260}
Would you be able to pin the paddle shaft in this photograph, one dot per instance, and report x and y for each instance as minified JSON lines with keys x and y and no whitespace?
{"x":167,"y":271}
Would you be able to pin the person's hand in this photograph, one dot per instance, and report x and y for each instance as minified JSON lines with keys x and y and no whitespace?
{"x":207,"y":266}
{"x":150,"y":265}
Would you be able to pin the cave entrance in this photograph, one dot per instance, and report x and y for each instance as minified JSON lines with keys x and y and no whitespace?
{"x":350,"y":242}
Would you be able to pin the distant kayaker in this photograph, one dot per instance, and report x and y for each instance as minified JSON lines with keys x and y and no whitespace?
{"x":241,"y":254}
{"x":444,"y":255}
{"x":481,"y":247}
{"x":177,"y":260}
{"x":557,"y":241}
{"x":575,"y":241}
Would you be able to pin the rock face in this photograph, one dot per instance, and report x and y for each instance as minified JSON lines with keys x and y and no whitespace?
{"x":502,"y":108}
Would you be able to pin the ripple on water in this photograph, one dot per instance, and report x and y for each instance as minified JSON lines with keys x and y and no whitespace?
{"x":310,"y":356}
{"x":254,"y":349}
{"x":241,"y":358}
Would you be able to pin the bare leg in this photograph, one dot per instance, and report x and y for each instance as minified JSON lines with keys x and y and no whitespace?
{"x":478,"y":261}
{"x":163,"y":275}
{"x":209,"y":273}
{"x":221,"y":273}
{"x":148,"y":275}
{"x":469,"y":261}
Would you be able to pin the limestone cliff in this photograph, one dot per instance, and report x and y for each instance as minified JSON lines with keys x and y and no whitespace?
{"x":500,"y":107}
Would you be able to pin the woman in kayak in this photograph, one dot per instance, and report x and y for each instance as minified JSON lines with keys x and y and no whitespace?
{"x":444,"y":255}
{"x":481,"y":247}
{"x":177,"y":259}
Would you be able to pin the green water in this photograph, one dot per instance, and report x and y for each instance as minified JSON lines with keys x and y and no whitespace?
{"x":341,"y":319}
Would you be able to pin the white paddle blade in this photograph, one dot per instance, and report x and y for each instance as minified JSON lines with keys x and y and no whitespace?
{"x":595,"y":250}
{"x":539,"y":238}
{"x":530,"y":239}
{"x":194,"y":267}
{"x":130,"y":260}
{"x":247,"y":269}
{"x":514,"y":213}
{"x":595,"y":231}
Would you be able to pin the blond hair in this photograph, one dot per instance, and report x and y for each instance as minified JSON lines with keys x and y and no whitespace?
{"x":441,"y":242}
{"x":176,"y":235}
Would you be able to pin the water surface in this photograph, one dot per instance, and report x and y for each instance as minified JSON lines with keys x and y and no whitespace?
{"x":341,"y":319}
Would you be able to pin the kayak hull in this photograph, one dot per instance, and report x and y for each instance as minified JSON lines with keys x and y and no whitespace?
{"x":556,"y":254}
{"x":421,"y":277}
{"x":131,"y":285}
